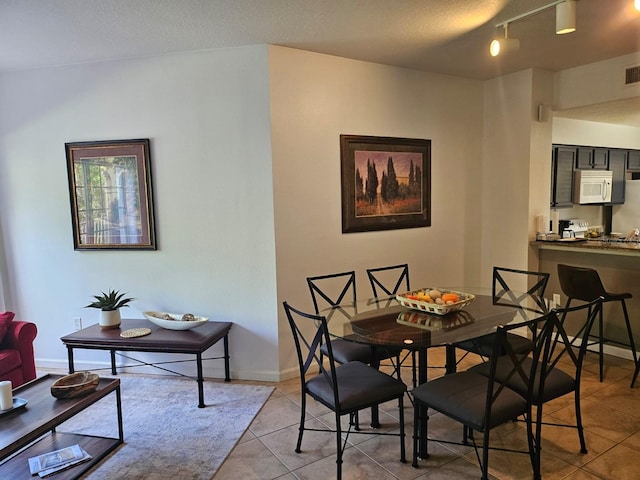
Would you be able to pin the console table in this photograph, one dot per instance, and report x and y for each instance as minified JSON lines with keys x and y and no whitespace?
{"x":160,"y":340}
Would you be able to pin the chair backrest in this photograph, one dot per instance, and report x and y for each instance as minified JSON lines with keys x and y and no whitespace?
{"x":332,"y":289}
{"x":580,"y":283}
{"x":308,"y":346}
{"x":552,"y":345}
{"x":503,"y":368}
{"x":510,"y":286}
{"x":382,"y":279}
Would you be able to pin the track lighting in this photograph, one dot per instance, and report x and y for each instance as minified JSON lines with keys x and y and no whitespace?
{"x":566,"y":17}
{"x":503,"y":45}
{"x":565,"y":23}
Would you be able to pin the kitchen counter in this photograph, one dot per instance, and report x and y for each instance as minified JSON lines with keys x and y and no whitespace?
{"x":590,"y":246}
{"x":617,"y":263}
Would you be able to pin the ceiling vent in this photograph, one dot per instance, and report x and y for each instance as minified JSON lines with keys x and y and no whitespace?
{"x":632,"y":75}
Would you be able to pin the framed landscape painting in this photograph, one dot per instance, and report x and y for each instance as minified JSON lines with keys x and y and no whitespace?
{"x":111,"y":195}
{"x":386,"y":183}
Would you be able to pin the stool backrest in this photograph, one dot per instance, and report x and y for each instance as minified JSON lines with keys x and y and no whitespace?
{"x":580,"y":283}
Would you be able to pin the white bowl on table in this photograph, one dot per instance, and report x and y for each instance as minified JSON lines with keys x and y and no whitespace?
{"x":175,"y":323}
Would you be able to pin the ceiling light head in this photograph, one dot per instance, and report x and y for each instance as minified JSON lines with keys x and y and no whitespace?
{"x":503,"y":45}
{"x":566,"y":17}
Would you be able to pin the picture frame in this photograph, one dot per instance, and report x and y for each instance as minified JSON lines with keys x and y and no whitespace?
{"x":111,"y":195}
{"x":386,"y":183}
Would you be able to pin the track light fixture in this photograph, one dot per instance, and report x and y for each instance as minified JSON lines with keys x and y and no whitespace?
{"x":503,"y":45}
{"x":565,"y":23}
{"x":566,"y":17}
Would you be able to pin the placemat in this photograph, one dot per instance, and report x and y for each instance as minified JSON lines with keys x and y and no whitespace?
{"x":135,"y":332}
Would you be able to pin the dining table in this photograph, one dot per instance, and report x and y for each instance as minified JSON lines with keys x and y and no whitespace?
{"x":386,"y":322}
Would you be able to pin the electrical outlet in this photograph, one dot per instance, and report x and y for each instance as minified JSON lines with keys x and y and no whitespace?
{"x":556,"y":299}
{"x":77,"y":323}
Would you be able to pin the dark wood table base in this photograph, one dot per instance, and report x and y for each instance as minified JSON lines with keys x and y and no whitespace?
{"x":195,"y":341}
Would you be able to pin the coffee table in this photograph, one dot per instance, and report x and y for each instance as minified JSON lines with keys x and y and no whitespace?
{"x":35,"y":427}
{"x":160,"y":340}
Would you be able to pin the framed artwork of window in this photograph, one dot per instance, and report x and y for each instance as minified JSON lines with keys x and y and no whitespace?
{"x":386,"y":183}
{"x":111,"y":195}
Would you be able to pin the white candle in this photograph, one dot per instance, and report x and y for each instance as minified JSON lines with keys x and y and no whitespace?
{"x":555,"y":227}
{"x":6,"y":397}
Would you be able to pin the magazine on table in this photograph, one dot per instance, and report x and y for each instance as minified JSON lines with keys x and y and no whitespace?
{"x":58,"y":460}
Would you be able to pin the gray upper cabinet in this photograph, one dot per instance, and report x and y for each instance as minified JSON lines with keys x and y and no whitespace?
{"x":563,"y":160}
{"x":568,"y":158}
{"x":633,"y":160}
{"x":617,"y":164}
{"x":592,"y":158}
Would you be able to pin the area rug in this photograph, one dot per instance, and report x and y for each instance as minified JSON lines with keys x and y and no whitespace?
{"x":166,"y":435}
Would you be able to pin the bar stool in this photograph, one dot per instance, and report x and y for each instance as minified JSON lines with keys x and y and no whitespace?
{"x":584,"y":284}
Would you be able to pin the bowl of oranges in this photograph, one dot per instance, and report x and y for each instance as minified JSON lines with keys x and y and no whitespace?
{"x":435,"y":300}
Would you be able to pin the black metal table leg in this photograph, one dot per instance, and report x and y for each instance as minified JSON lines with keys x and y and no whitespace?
{"x":70,"y":357}
{"x":119,"y":407}
{"x":450,"y":359}
{"x":113,"y":362}
{"x":422,"y":378}
{"x":227,"y":375}
{"x":200,"y":381}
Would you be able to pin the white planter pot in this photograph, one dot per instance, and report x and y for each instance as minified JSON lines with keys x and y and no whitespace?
{"x":109,"y":319}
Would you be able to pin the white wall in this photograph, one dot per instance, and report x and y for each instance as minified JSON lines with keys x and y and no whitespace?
{"x":246,"y":169}
{"x":207,"y":116}
{"x":514,"y":174}
{"x":314,"y":99}
{"x":595,"y":83}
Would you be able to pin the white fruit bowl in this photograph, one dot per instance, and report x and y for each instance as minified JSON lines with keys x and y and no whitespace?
{"x":405,"y":300}
{"x":175,"y":321}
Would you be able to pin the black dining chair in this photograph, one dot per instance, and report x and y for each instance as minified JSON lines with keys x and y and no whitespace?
{"x":529,"y":284}
{"x":481,"y":402}
{"x":344,"y":388}
{"x":557,"y":369}
{"x":584,"y":284}
{"x":331,"y":290}
{"x":387,"y":282}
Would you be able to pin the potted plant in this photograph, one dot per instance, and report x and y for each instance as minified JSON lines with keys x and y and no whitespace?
{"x":109,"y":305}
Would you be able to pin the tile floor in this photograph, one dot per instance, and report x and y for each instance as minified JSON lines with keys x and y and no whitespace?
{"x":611,"y":416}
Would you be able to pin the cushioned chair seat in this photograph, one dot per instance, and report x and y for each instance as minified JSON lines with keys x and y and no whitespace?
{"x":9,"y":360}
{"x":355,"y":383}
{"x":484,"y":345}
{"x":463,"y":397}
{"x":557,"y":383}
{"x":345,"y":351}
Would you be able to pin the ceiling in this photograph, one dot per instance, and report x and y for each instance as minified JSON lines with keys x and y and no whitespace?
{"x":441,"y":36}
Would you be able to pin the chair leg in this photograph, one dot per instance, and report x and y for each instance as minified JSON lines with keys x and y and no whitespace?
{"x":635,"y":374}
{"x":355,"y":421}
{"x":339,"y":448}
{"x":601,"y":342}
{"x":403,"y":453}
{"x":632,"y":343}
{"x":301,"y":427}
{"x":416,"y":430}
{"x":534,"y":440}
{"x":583,"y":443}
{"x":485,"y":455}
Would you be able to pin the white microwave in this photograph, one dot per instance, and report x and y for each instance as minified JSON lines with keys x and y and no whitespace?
{"x":592,"y":186}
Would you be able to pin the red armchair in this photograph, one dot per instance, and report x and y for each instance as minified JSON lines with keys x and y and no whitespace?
{"x":17,"y":362}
